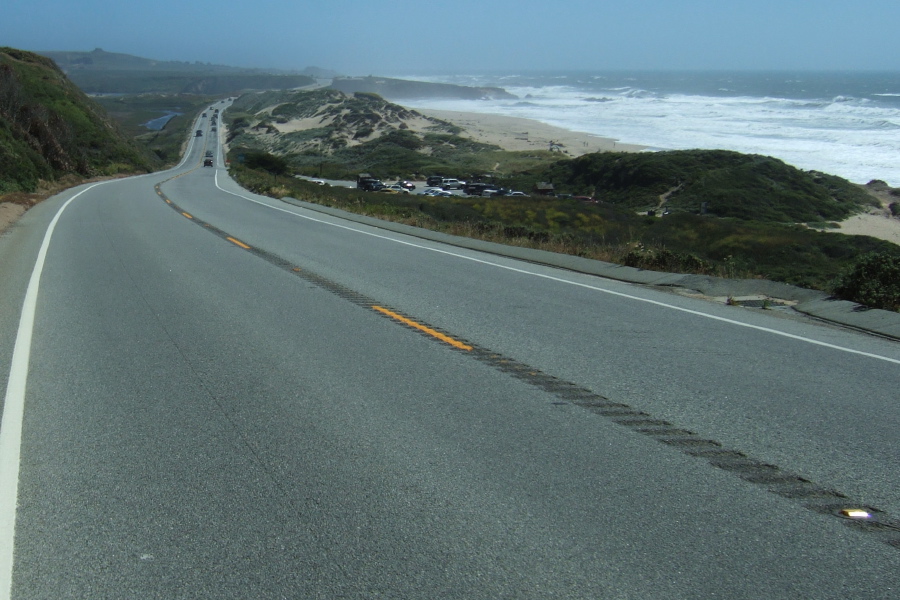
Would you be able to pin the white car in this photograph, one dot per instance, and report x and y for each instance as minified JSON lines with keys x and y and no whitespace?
{"x":397,"y":188}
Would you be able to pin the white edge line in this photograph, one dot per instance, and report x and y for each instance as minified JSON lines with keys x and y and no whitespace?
{"x":14,"y":409}
{"x":575,"y":283}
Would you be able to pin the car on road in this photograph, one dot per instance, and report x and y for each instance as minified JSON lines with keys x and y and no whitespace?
{"x":199,"y":132}
{"x":409,"y":185}
{"x":207,"y":162}
{"x":209,"y":153}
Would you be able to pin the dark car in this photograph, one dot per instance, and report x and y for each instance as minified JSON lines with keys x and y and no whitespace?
{"x":207,"y":162}
{"x":369,"y":184}
{"x":199,"y":132}
{"x":407,"y":185}
{"x":434,"y":181}
{"x":476,"y":188}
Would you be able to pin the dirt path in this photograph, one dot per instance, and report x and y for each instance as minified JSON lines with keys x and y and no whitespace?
{"x":9,"y":213}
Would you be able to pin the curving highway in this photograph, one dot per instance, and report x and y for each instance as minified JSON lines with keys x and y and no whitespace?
{"x":212,"y":394}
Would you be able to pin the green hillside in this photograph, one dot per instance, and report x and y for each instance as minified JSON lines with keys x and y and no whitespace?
{"x":718,"y":182}
{"x":50,"y":129}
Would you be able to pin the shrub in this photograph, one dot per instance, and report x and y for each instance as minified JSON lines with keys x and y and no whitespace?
{"x":873,"y":281}
{"x":663,"y":259}
{"x":268,"y":162}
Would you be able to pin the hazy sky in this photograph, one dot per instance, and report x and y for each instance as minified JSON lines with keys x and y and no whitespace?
{"x":402,"y":37}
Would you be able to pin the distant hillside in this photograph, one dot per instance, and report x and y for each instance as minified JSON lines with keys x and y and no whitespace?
{"x":100,"y":60}
{"x":716,"y":182}
{"x":101,"y":72}
{"x":353,"y":133}
{"x":281,"y":118}
{"x":402,"y":89}
{"x":50,"y":129}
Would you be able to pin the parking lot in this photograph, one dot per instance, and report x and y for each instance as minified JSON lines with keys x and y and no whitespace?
{"x":421,"y":186}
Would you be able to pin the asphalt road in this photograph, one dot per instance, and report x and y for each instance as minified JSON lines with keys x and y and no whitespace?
{"x":230,"y":396}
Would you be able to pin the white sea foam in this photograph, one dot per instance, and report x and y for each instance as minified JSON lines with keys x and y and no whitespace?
{"x":846,"y":134}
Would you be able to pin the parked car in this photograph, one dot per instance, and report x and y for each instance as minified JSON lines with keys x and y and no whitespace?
{"x":407,"y":184}
{"x":452,"y":184}
{"x":517,"y":194}
{"x":199,"y":132}
{"x":396,"y":187}
{"x":475,"y":188}
{"x":434,"y":180}
{"x":369,"y":184}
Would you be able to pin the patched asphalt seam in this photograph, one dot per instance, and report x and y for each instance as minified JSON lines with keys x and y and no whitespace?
{"x":772,"y":478}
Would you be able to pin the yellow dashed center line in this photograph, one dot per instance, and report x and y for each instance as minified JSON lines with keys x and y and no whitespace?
{"x":238,"y":243}
{"x":187,"y":215}
{"x":420,"y":327}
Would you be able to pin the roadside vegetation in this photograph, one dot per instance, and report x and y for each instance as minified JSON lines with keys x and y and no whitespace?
{"x":51,"y":134}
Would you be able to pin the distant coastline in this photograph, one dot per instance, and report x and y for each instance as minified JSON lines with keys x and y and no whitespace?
{"x":845,"y":124}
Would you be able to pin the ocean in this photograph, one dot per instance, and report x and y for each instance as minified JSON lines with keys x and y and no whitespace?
{"x":842,"y":123}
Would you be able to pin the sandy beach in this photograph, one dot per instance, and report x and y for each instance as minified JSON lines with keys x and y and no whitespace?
{"x":878,"y":224}
{"x":513,"y":133}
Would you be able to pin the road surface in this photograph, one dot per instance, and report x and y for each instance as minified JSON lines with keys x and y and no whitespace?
{"x":224,"y":395}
